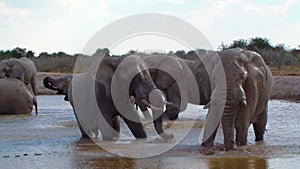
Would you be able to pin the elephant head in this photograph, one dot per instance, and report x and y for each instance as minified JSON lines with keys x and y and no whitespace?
{"x":240,"y":84}
{"x":61,"y":85}
{"x":12,"y":68}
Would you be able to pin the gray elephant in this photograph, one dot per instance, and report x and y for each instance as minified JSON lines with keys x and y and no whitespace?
{"x":16,"y":98}
{"x":22,"y":69}
{"x":179,"y":97}
{"x":240,"y":97}
{"x":89,"y":92}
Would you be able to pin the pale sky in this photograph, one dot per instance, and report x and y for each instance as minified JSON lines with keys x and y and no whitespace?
{"x":67,"y":25}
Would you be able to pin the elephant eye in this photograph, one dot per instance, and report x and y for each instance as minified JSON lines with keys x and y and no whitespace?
{"x":244,"y":75}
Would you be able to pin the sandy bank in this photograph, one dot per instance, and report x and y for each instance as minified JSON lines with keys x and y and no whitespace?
{"x":286,"y":88}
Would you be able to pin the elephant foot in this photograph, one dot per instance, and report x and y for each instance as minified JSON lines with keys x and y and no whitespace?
{"x":230,"y":148}
{"x":219,"y":147}
{"x":206,"y":150}
{"x":261,"y":138}
{"x":166,"y":136}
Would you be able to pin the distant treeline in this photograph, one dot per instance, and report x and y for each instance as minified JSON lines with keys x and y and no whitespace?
{"x":278,"y":55}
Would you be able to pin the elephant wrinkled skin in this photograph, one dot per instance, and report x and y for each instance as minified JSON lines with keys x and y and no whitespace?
{"x":15,"y":97}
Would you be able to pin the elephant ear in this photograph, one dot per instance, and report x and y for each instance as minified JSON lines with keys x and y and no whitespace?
{"x":169,"y":71}
{"x":105,"y":73}
{"x":17,"y":71}
{"x":255,"y":79}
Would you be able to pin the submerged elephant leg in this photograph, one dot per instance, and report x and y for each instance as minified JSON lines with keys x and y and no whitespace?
{"x":207,"y":146}
{"x":260,"y":125}
{"x":136,"y":128}
{"x":158,"y":125}
{"x":116,"y":126}
{"x":107,"y":130}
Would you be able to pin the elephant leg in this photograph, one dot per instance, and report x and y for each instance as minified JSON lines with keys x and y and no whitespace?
{"x":83,"y":133}
{"x":207,"y":146}
{"x":158,"y":125}
{"x":260,"y":125}
{"x":116,"y":126}
{"x":242,"y":123}
{"x":136,"y":128}
{"x":33,"y":85}
{"x":107,"y":130}
{"x":171,"y":112}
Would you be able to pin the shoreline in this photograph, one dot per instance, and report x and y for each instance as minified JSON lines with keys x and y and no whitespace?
{"x":285,"y":87}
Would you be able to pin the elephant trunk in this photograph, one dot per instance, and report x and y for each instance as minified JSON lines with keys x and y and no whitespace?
{"x":35,"y":105}
{"x":228,"y":123}
{"x":235,"y":98}
{"x":156,"y":99}
{"x":47,"y":83}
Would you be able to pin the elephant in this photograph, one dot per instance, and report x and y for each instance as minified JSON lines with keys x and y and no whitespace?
{"x":22,"y":69}
{"x":99,"y":85}
{"x":179,"y":99}
{"x":244,"y":97}
{"x":16,"y":98}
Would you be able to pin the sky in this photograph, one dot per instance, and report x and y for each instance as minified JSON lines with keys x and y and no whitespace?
{"x":67,"y":25}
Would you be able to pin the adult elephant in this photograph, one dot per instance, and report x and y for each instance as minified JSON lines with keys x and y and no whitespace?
{"x":22,"y":69}
{"x":106,"y":87}
{"x":179,"y":92}
{"x":16,"y":98}
{"x":239,"y":98}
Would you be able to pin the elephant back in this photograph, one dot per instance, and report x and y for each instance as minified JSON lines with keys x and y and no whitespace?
{"x":30,"y":69}
{"x":15,"y":97}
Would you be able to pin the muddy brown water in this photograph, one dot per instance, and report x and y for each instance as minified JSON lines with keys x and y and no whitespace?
{"x":52,"y":140}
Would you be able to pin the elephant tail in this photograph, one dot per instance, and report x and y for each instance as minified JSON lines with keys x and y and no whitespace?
{"x":35,"y":105}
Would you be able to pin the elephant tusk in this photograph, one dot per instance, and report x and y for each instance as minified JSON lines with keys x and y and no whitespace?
{"x":132,"y":100}
{"x":145,"y":102}
{"x":244,"y":103}
{"x":168,"y":103}
{"x":207,"y":105}
{"x":153,"y":108}
{"x":156,"y":109}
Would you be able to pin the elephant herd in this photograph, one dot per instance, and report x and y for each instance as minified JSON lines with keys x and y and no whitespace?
{"x":235,"y":85}
{"x":16,"y":96}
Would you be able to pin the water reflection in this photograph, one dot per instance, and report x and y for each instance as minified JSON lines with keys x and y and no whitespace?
{"x":237,"y":163}
{"x":55,"y":135}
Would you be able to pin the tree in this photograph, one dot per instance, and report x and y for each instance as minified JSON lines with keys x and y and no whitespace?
{"x":259,"y":43}
{"x":18,"y":52}
{"x":241,"y":43}
{"x":180,"y":53}
{"x":30,"y":54}
{"x":43,"y":55}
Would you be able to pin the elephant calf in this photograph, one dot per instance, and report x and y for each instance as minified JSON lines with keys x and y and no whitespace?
{"x":15,"y":97}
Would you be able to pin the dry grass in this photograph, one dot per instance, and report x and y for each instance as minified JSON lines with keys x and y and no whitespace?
{"x":286,"y":70}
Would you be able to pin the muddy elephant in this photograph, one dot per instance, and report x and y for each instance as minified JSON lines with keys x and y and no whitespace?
{"x":16,"y":98}
{"x":185,"y":71}
{"x":107,"y":91}
{"x":22,"y":69}
{"x":239,"y":98}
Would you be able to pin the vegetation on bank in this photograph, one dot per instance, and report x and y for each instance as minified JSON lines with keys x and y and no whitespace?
{"x":281,"y":59}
